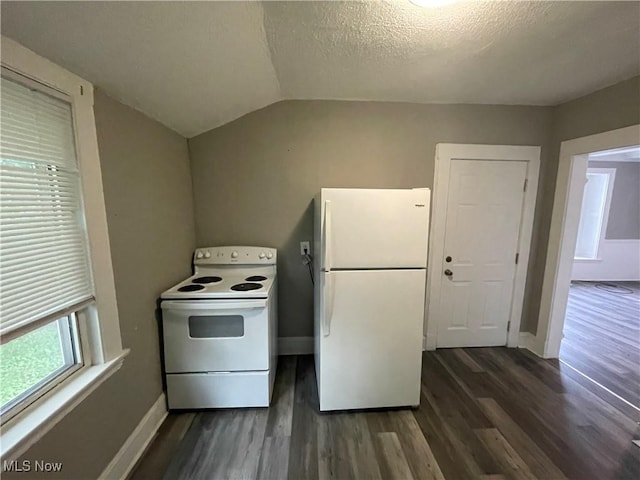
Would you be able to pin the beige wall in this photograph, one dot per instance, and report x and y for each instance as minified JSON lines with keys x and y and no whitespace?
{"x":607,"y":109}
{"x":254,"y":178}
{"x":147,"y":184}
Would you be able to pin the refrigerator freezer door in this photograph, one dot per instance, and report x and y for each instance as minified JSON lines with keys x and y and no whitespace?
{"x":364,"y":228}
{"x":370,"y":357}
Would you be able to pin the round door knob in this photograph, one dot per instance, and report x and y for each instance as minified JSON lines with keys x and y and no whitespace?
{"x":207,"y":254}
{"x":199,"y":255}
{"x":262,"y":255}
{"x":448,"y":273}
{"x":234,"y":254}
{"x":269,"y":255}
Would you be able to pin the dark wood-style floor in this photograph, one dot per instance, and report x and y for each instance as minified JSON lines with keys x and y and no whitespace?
{"x":602,"y":336}
{"x":486,"y":413}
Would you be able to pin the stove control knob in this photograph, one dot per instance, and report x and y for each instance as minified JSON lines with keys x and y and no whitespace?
{"x":262,"y":255}
{"x":234,"y":254}
{"x":207,"y":254}
{"x":199,"y":255}
{"x":269,"y":255}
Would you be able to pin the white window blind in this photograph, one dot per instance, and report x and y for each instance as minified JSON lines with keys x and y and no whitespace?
{"x":44,"y":266}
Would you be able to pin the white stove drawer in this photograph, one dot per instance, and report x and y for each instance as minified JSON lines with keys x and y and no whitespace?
{"x":219,"y":390}
{"x":215,"y":336}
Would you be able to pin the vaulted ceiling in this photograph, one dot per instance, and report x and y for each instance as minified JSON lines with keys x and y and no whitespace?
{"x":197,"y":65}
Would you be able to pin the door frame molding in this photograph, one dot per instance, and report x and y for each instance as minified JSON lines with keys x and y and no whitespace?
{"x":445,"y":153}
{"x":563,"y":232}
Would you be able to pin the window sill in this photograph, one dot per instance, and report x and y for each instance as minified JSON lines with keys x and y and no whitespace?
{"x":28,"y":427}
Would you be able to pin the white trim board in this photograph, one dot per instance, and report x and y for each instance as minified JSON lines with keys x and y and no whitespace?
{"x":295,"y":345}
{"x":528,"y":340}
{"x":563,"y":233}
{"x":127,"y":457}
{"x":445,"y":152}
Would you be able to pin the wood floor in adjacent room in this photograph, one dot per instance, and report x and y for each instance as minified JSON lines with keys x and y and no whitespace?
{"x":486,"y":413}
{"x":602,"y":335}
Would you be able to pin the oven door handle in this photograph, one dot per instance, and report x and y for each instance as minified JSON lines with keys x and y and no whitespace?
{"x":201,"y":305}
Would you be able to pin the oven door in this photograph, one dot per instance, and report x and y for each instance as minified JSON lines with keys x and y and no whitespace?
{"x":215,"y":335}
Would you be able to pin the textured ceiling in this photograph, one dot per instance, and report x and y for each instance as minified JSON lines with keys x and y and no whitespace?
{"x":535,"y":53}
{"x":197,"y":65}
{"x":192,"y":66}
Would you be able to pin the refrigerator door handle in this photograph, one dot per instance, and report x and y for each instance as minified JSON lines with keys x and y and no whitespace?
{"x":327,"y":236}
{"x":329,"y":294}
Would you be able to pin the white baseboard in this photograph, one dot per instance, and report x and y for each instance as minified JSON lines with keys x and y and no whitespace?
{"x":295,"y":345}
{"x":429,"y":342}
{"x":529,"y":341}
{"x":129,"y":454}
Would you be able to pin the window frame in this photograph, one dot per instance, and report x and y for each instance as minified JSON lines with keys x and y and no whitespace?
{"x":611,"y":172}
{"x":98,"y":325}
{"x":71,"y":345}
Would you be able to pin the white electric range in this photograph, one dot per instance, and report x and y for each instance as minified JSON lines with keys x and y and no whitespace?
{"x":220,"y":330}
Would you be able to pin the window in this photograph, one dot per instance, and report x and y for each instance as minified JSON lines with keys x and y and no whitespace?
{"x":45,"y":277}
{"x":32,"y":361}
{"x":594,"y":212}
{"x":59,"y":328}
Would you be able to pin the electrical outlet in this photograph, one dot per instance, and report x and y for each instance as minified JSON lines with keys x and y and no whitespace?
{"x":304,"y":248}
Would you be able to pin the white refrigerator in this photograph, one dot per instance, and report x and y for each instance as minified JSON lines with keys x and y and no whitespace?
{"x":370,"y":258}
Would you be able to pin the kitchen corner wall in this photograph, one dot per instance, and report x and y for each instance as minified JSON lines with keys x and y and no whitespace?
{"x":148,"y":196}
{"x":254,"y":179}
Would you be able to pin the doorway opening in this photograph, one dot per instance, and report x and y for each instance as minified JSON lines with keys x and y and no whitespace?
{"x":601,"y":331}
{"x":563,"y":232}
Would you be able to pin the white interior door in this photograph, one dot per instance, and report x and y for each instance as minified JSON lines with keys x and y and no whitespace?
{"x":374,"y":228}
{"x":483,"y":216}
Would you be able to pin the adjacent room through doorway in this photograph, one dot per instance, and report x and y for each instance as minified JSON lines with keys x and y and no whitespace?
{"x":602,"y":321}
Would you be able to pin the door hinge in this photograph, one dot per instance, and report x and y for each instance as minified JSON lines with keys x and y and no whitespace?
{"x":81,"y":90}
{"x":509,"y":326}
{"x":524,"y":189}
{"x":517,"y":257}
